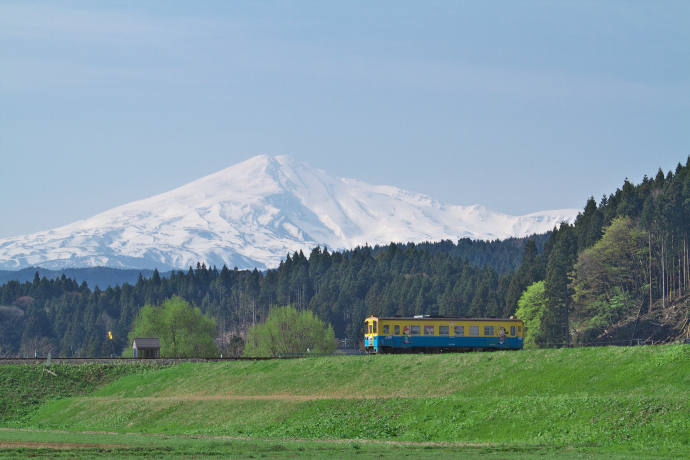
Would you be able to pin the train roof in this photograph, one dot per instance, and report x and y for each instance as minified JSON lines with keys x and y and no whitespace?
{"x":440,"y":317}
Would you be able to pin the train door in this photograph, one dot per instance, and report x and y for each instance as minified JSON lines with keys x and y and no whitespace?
{"x":373,"y":332}
{"x":368,"y":340}
{"x":385,"y":339}
{"x":397,"y":331}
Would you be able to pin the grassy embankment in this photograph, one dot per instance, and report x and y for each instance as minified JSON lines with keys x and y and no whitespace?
{"x":24,"y":388}
{"x":615,"y":399}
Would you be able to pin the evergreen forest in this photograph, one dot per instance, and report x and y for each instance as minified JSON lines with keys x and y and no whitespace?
{"x":623,"y":257}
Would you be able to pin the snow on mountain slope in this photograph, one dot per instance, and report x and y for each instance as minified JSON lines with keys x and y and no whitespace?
{"x":253,"y":214}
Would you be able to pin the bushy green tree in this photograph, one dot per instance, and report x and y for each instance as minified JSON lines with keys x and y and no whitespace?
{"x":235,"y":347}
{"x":530,"y":310}
{"x":288,"y":331}
{"x":618,"y":259}
{"x":609,"y":278}
{"x":183,"y":330}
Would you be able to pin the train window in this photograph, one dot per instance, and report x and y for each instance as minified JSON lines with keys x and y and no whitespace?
{"x":428,"y":330}
{"x":414,"y":330}
{"x":512,"y":330}
{"x":374,"y":327}
{"x":397,"y":329}
{"x":386,"y":329}
{"x":474,"y":330}
{"x":488,"y":330}
{"x":443,"y":330}
{"x":459,"y":330}
{"x":519,"y":328}
{"x":370,"y":329}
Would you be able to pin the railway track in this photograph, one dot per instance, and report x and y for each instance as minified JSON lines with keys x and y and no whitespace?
{"x":162,"y":361}
{"x":170,"y":361}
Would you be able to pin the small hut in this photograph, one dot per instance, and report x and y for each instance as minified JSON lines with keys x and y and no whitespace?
{"x":146,"y":347}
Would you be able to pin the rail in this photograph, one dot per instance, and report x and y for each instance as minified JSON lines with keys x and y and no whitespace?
{"x":165,"y":361}
{"x":161,"y":361}
{"x":171,"y":361}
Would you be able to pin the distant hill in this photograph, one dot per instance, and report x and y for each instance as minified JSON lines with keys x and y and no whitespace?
{"x":501,"y":255}
{"x":94,"y":276}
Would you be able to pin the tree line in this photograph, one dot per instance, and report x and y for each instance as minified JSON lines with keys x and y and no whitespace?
{"x":340,"y":290}
{"x":596,"y":266}
{"x":621,"y":258}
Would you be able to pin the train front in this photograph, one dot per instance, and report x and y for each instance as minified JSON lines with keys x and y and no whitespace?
{"x":371,"y":339}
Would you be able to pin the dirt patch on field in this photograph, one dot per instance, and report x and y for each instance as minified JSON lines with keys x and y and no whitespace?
{"x":53,"y":445}
{"x":65,"y":445}
{"x":278,"y":397}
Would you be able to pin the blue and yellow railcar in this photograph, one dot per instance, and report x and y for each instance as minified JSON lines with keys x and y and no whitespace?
{"x":441,"y":334}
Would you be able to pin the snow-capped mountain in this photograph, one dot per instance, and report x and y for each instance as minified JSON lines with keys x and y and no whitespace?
{"x":253,"y":214}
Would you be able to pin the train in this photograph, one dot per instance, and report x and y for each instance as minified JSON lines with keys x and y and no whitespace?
{"x":441,"y":334}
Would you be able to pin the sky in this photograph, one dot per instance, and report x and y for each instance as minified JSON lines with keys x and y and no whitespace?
{"x":518,"y":106}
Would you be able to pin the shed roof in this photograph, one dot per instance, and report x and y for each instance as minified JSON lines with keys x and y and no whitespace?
{"x":146,"y":342}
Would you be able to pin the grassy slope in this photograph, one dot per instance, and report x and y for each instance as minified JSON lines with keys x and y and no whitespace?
{"x":23,"y":388}
{"x":629,"y":397}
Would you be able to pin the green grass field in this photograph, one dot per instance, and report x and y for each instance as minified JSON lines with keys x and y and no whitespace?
{"x":575,"y":403}
{"x":42,"y":444}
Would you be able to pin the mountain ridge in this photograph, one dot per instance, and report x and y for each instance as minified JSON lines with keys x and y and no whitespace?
{"x":253,"y":213}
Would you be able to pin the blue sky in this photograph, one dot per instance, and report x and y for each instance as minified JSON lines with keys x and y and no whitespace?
{"x":518,"y":106}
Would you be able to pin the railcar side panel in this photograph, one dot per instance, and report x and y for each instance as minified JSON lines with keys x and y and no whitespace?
{"x":427,"y":334}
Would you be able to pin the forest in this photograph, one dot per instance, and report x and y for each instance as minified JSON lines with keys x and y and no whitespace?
{"x":623,"y":256}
